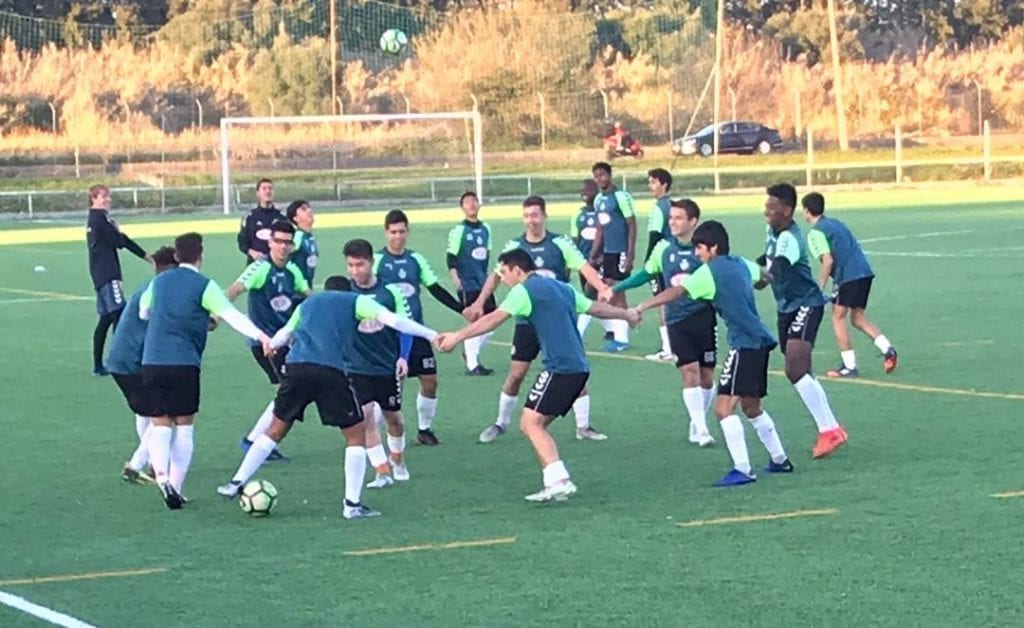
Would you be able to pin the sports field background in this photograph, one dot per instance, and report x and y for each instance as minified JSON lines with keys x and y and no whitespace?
{"x":898,"y":527}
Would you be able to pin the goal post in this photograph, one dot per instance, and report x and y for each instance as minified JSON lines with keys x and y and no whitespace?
{"x":307,"y":141}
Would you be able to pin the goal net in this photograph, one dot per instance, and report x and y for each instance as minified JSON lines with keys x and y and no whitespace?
{"x":359,"y":160}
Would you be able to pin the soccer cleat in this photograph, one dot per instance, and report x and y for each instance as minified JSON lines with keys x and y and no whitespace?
{"x":132,"y":476}
{"x":230,"y":490}
{"x":891,"y":360}
{"x":779,"y":467}
{"x":608,"y":335}
{"x":427,"y":437}
{"x":277,"y":456}
{"x":382,"y":480}
{"x":556,"y":492}
{"x":491,"y":433}
{"x":100,"y":371}
{"x":245,"y":445}
{"x":693,"y":433}
{"x":828,"y":442}
{"x":400,"y":471}
{"x":661,"y":356}
{"x":171,"y":496}
{"x":357,"y":511}
{"x":736,"y":478}
{"x":480,"y":371}
{"x":614,"y":346}
{"x":589,"y":433}
{"x":842,"y":371}
{"x":704,"y":439}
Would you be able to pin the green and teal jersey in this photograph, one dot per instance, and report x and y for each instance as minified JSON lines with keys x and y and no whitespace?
{"x":180,"y":302}
{"x":324,"y":328}
{"x":793,"y":285}
{"x":305,"y":255}
{"x":551,"y":306}
{"x":727,"y":282}
{"x":848,"y":260}
{"x":274,"y":291}
{"x":125,"y":357}
{"x":657,"y":221}
{"x":408,"y":271}
{"x":674,"y":262}
{"x":613,"y":209}
{"x":376,"y":345}
{"x":554,"y":257}
{"x":583,"y":229}
{"x":469,"y":243}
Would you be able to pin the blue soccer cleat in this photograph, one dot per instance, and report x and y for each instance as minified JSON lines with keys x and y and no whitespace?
{"x":779,"y":467}
{"x":736,"y":478}
{"x":614,"y":346}
{"x":275,"y":456}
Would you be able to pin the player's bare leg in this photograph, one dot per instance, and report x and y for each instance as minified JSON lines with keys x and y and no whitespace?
{"x":859,"y":319}
{"x":261,"y":449}
{"x":848,"y":367}
{"x":507,"y":400}
{"x":426,"y":408}
{"x":557,"y":485}
{"x":831,"y":435}
{"x":694,"y":400}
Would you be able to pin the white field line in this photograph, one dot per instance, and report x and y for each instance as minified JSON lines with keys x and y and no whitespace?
{"x":41,"y":612}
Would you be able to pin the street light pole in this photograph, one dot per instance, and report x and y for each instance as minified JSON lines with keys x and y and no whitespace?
{"x":334,"y":54}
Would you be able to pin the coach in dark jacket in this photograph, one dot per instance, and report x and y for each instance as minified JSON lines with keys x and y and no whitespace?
{"x":254,"y":234}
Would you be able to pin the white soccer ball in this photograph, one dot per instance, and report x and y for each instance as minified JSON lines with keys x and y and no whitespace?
{"x":40,"y":268}
{"x":258,"y":498}
{"x":393,"y":41}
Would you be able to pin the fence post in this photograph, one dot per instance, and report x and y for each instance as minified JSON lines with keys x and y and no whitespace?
{"x":671,"y":130}
{"x":53,"y":117}
{"x":433,"y":191}
{"x":408,"y":109}
{"x":798,"y":123}
{"x":543,"y":123}
{"x":810,"y":158}
{"x":529,"y":185}
{"x":199,"y":106}
{"x":604,"y":102}
{"x":986,"y":147}
{"x":340,"y":109}
{"x":30,"y":212}
{"x":78,"y":167}
{"x":135,"y":197}
{"x":899,"y":153}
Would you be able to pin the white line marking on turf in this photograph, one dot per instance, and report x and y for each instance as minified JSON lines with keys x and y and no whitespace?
{"x":951,"y":255}
{"x":43,"y":300}
{"x":41,"y":612}
{"x":914,"y":236}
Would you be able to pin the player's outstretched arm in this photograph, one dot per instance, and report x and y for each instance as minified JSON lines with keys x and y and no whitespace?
{"x":215,"y":302}
{"x":481,"y":326}
{"x":637,"y":279}
{"x":664,"y":297}
{"x":404,"y":325}
{"x":598,"y":309}
{"x":476,"y":308}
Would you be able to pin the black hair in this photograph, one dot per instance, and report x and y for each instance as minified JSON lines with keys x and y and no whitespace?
{"x":394,"y":217}
{"x":359,"y":248}
{"x":785,"y":192}
{"x":188,"y":248}
{"x":468,"y":194}
{"x":602,"y":165}
{"x":711,"y":234}
{"x":538,"y":201}
{"x":517,"y":258}
{"x":337,"y":283}
{"x":814,"y":203}
{"x":663,"y":176}
{"x":261,"y":182}
{"x":293,"y":208}
{"x":163,"y":257}
{"x":689,"y":206}
{"x":282,"y":226}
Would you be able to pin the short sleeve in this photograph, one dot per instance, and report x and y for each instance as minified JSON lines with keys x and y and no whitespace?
{"x":490,"y":236}
{"x":293,"y":321}
{"x":455,"y":239}
{"x":574,"y":226}
{"x":583,"y":304}
{"x":626,"y":204}
{"x":573,"y":258}
{"x":300,"y":280}
{"x":367,"y":308}
{"x":254,"y":275}
{"x":146,"y":300}
{"x":517,"y":302}
{"x":214,"y":301}
{"x":656,"y":221}
{"x":653,"y":264}
{"x":701,"y":284}
{"x":511,"y":245}
{"x":788,"y":247}
{"x":817,"y":243}
{"x":427,"y":275}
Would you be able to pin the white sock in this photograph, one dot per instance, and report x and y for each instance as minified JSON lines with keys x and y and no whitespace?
{"x":665,"y":345}
{"x":396,"y":444}
{"x":814,"y":398}
{"x":140,"y":457}
{"x":355,"y":472}
{"x":621,"y":331}
{"x":736,"y":442}
{"x":254,"y":458}
{"x":262,"y":423}
{"x":425,"y":410}
{"x":141,"y":423}
{"x":765,"y":428}
{"x":483,"y":343}
{"x":607,"y":324}
{"x":582,"y":323}
{"x":581,"y":408}
{"x":472,"y":347}
{"x":709,"y":399}
{"x":182,"y":446}
{"x":159,"y":437}
{"x":693,"y":399}
{"x":555,"y":473}
{"x":849,"y":359}
{"x":377,"y":455}
{"x":883,"y":343}
{"x":506,"y":406}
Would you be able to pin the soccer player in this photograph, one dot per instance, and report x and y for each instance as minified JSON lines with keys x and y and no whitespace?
{"x":125,"y":362}
{"x":831,"y":243}
{"x":104,"y":237}
{"x":322,"y":333}
{"x":615,"y":247}
{"x":691,"y":323}
{"x":254,"y":234}
{"x":468,"y":259}
{"x":583,"y":230}
{"x":554,"y":256}
{"x":409,"y":271}
{"x":275,"y":285}
{"x":304,"y":254}
{"x":659,"y":182}
{"x":550,"y":307}
{"x":801,"y":306}
{"x":727,"y":282}
{"x":178,"y":304}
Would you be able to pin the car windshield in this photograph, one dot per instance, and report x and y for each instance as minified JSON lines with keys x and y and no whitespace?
{"x":708,"y":130}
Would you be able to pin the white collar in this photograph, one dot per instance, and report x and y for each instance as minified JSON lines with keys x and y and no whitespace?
{"x":189,"y":266}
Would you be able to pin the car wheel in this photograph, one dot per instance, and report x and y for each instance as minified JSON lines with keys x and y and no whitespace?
{"x":764,"y":147}
{"x":706,"y":149}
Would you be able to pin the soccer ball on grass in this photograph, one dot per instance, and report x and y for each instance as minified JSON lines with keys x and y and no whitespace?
{"x":258,"y":498}
{"x":393,"y":41}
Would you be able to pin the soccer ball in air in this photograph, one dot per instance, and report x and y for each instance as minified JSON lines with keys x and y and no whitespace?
{"x":393,"y":40}
{"x":258,"y":498}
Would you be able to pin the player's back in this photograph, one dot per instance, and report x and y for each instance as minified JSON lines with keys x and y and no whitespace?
{"x":794,"y":287}
{"x":613,"y":209}
{"x":849,"y":261}
{"x":734,"y":301}
{"x":125,"y":355}
{"x":325,"y":330}
{"x":553,"y":316}
{"x":375,"y":346}
{"x":178,"y":322}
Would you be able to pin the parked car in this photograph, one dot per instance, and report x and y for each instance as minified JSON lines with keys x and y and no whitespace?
{"x":733,"y":137}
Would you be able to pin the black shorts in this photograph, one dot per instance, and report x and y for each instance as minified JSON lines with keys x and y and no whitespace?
{"x":657,"y":284}
{"x":110,"y":298}
{"x":330,"y":389}
{"x":854,"y":294}
{"x":421,"y":358}
{"x":745,"y":373}
{"x":554,"y":393}
{"x":385,"y":390}
{"x":468,"y":298}
{"x":273,"y":367}
{"x":695,"y":339}
{"x":801,"y":324}
{"x":525,"y":343}
{"x":134,"y":393}
{"x":613,"y":266}
{"x":173,"y":390}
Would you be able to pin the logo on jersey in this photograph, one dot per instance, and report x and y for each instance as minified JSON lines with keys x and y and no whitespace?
{"x":312,"y":261}
{"x":402,"y":274}
{"x":406,"y":288}
{"x":679,"y":279}
{"x":281,"y":303}
{"x":604,"y":218}
{"x":588,"y":233}
{"x":263,"y":234}
{"x":479,"y":253}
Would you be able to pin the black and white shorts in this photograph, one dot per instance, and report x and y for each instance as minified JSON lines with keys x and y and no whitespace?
{"x":695,"y":339}
{"x":854,"y":294}
{"x":385,"y":390}
{"x":801,"y":324}
{"x":469,"y":297}
{"x":421,"y":358}
{"x":134,"y":393}
{"x":553,"y":394}
{"x":330,"y":389}
{"x":173,"y":390}
{"x":745,"y":373}
{"x":613,"y":266}
{"x":110,"y":298}
{"x":525,"y":343}
{"x":273,"y":367}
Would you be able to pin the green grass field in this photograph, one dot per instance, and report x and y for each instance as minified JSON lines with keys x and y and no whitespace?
{"x":897,"y":528}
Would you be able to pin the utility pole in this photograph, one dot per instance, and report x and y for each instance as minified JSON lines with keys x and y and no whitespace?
{"x":717,"y":113}
{"x":334,"y":54}
{"x":837,"y":82}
